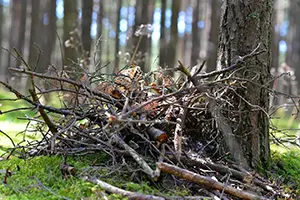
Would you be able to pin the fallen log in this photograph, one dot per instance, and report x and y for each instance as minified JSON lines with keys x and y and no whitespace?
{"x":245,"y":177}
{"x":206,"y":181}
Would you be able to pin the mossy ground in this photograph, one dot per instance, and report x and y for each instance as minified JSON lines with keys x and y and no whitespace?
{"x":285,"y":169}
{"x":40,"y":178}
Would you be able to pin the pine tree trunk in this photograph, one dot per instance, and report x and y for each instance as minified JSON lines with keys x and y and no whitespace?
{"x":70,"y":47}
{"x":14,"y":32}
{"x":245,"y":24}
{"x":293,"y":38}
{"x":162,"y":41}
{"x":99,"y":42}
{"x":1,"y":34}
{"x":196,"y":42}
{"x":87,"y":10}
{"x":172,"y":47}
{"x":213,"y":36}
{"x":117,"y":42}
{"x":51,"y":31}
{"x":144,"y":13}
{"x":34,"y":35}
{"x":22,"y":31}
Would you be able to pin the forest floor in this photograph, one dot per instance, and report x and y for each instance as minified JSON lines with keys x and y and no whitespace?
{"x":41,"y":178}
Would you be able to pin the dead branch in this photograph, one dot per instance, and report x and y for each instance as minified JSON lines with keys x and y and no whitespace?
{"x":179,"y":129}
{"x":62,"y":79}
{"x":243,"y":176}
{"x":206,"y":181}
{"x":44,"y":115}
{"x":115,"y":190}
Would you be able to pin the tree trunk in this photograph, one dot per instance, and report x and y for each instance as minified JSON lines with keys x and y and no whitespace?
{"x":35,"y":36}
{"x":275,"y":36}
{"x":87,"y":10}
{"x":213,"y":36}
{"x":245,"y":24}
{"x":70,"y":43}
{"x":20,"y":47}
{"x":117,"y":42}
{"x":293,"y":38}
{"x":172,"y":49}
{"x":144,"y":9}
{"x":99,"y":31}
{"x":14,"y":31}
{"x":186,"y":47}
{"x":148,"y":40}
{"x":162,"y":41}
{"x":1,"y":34}
{"x":51,"y":31}
{"x":195,"y":35}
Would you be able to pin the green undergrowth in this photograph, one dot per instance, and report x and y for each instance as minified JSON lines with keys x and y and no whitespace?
{"x":284,"y":126}
{"x":284,"y":169}
{"x":41,"y":178}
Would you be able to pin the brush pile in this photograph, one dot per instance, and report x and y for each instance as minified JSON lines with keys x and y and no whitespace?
{"x":149,"y":121}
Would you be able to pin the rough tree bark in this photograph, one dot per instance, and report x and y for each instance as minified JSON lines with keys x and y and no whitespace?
{"x":244,"y":25}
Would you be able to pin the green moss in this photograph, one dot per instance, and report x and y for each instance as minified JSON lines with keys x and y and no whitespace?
{"x":140,"y":188}
{"x":285,"y":168}
{"x":40,"y":178}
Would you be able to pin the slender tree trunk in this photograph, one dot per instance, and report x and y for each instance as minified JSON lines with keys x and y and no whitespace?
{"x":51,"y":30}
{"x":186,"y":50}
{"x":293,"y":38}
{"x":87,"y":10}
{"x":35,"y":36}
{"x":70,"y":45}
{"x":275,"y":36}
{"x":14,"y":31}
{"x":195,"y":34}
{"x":21,"y":41}
{"x":213,"y":36}
{"x":151,"y":6}
{"x":1,"y":34}
{"x":99,"y":31}
{"x":45,"y":32}
{"x":245,"y":25}
{"x":172,"y":49}
{"x":117,"y":41}
{"x":144,"y":10}
{"x":162,"y":41}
